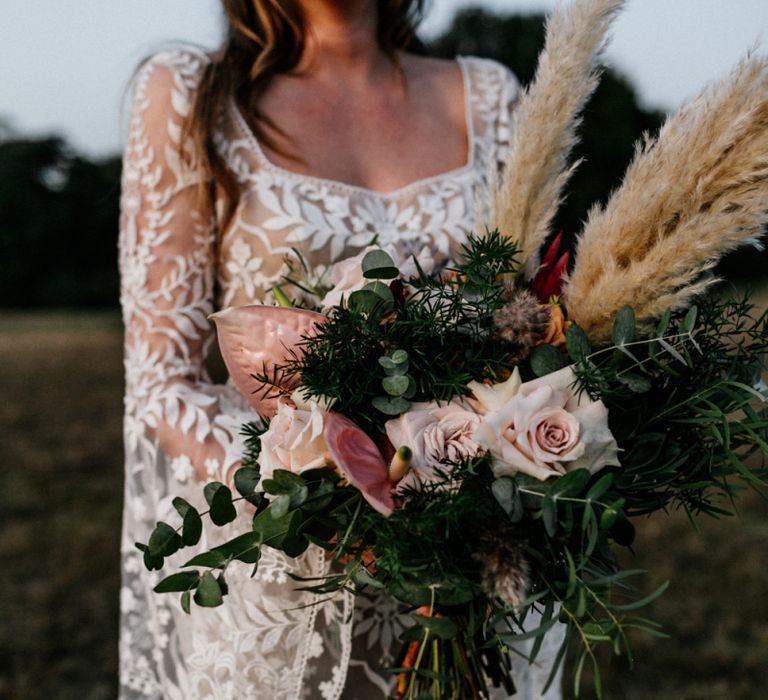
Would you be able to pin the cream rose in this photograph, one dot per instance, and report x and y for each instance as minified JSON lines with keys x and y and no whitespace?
{"x":492,"y":397}
{"x":545,"y":429}
{"x":294,"y":440}
{"x":347,"y":275}
{"x":438,"y":435}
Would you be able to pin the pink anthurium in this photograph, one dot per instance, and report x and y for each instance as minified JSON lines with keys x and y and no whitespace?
{"x":548,"y":281}
{"x":359,"y":460}
{"x":254,"y":339}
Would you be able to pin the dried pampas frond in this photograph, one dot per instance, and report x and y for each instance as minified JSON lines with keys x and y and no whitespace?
{"x":506,"y":572}
{"x":690,"y":196}
{"x":546,"y":120}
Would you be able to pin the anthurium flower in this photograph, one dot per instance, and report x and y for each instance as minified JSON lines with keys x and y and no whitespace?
{"x":358,"y":459}
{"x":255,"y":339}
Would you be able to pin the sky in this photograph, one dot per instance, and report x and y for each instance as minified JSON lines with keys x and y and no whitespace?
{"x":66,"y":65}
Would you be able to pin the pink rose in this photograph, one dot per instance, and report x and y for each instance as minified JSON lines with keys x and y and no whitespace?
{"x":545,"y":429}
{"x":438,"y":435}
{"x":294,"y":440}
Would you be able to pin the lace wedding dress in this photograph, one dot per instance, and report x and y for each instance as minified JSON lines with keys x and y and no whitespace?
{"x":267,"y":641}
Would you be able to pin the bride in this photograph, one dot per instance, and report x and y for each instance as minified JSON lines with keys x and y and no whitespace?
{"x":314,"y":129}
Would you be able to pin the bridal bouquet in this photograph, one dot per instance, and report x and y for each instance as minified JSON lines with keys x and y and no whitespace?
{"x":475,"y":441}
{"x":453,"y":441}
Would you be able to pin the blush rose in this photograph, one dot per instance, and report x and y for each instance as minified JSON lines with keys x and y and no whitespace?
{"x":546,"y":429}
{"x":438,"y":436}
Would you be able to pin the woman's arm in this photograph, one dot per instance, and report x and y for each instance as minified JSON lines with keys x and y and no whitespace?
{"x":167,"y":249}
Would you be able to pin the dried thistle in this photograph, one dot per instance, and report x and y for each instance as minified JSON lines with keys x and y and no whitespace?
{"x":522,"y":324}
{"x":546,"y":121}
{"x":695,"y":193}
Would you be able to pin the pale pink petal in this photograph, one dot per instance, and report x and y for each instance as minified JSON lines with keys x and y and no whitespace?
{"x":359,"y":460}
{"x":253,"y":339}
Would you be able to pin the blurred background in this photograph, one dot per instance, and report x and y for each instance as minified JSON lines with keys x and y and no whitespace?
{"x":66,"y":70}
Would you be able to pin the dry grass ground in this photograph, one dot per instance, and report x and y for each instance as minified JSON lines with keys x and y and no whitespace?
{"x":60,"y":502}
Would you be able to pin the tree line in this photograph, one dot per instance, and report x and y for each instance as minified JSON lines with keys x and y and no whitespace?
{"x":59,"y":209}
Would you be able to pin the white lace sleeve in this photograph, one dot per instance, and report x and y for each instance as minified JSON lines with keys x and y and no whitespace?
{"x":167,"y":266}
{"x":181,"y":429}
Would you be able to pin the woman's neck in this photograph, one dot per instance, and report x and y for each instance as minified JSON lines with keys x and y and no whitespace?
{"x":341,"y":41}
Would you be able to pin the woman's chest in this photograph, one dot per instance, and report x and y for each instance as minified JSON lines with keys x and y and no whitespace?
{"x":284,"y":224}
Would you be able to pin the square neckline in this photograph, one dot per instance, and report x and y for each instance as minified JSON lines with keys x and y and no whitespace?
{"x":266,"y":163}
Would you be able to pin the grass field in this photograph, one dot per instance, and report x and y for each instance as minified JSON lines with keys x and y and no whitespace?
{"x":60,"y":503}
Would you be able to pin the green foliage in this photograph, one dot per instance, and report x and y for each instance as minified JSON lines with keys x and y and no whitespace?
{"x":442,"y":334}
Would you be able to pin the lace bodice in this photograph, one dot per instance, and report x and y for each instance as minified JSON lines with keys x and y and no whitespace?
{"x":268,"y":640}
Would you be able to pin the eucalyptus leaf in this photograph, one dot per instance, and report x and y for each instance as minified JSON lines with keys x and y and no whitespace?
{"x":212,"y":559}
{"x":577,"y":343}
{"x":181,"y":506}
{"x":391,"y":405}
{"x":382,"y":291}
{"x":663,"y":324}
{"x":152,"y":562}
{"x":164,"y":541}
{"x":635,"y":382}
{"x":390,"y":367}
{"x":279,"y":506}
{"x":366,"y":301}
{"x":399,"y":357}
{"x":570,"y":484}
{"x":624,"y":326}
{"x":246,"y":480}
{"x":549,"y":515}
{"x":410,"y":392}
{"x":396,"y":385}
{"x":244,"y":547}
{"x":208,"y":593}
{"x":222,"y":509}
{"x":546,"y":359}
{"x":600,"y":487}
{"x":379,"y":265}
{"x":608,"y":518}
{"x":192,"y":528}
{"x":210,"y":489}
{"x":689,"y":321}
{"x":281,"y":533}
{"x":176,"y":583}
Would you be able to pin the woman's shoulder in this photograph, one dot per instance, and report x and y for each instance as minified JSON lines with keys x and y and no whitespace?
{"x":487,"y":78}
{"x":171,"y":73}
{"x":491,"y":74}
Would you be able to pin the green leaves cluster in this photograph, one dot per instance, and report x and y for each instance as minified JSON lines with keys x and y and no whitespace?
{"x":445,"y":329}
{"x":397,"y":383}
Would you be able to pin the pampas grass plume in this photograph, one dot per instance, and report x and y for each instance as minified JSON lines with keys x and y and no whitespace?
{"x":546,"y":121}
{"x":696,"y":192}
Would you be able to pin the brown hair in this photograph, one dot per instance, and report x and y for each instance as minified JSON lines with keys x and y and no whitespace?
{"x":265,"y":38}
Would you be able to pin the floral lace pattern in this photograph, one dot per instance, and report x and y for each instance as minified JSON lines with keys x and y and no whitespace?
{"x":181,"y":428}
